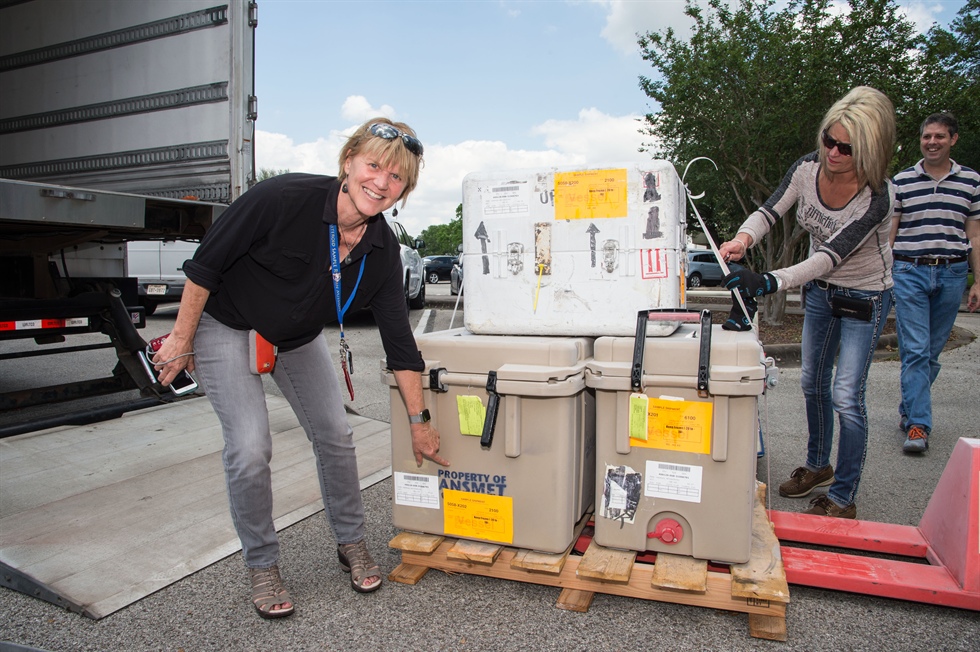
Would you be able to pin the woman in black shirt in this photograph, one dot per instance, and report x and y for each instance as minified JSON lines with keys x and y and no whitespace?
{"x":266,"y":266}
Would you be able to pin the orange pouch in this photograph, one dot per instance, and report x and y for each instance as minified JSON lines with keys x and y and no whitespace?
{"x":261,"y":354}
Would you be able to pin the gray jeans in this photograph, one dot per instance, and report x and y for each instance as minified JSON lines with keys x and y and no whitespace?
{"x":307,"y":379}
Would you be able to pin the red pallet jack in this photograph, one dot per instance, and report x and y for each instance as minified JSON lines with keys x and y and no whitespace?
{"x":948,"y":537}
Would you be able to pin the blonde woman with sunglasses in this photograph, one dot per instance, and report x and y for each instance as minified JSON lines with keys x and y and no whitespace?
{"x":844,"y":200}
{"x":294,"y":253}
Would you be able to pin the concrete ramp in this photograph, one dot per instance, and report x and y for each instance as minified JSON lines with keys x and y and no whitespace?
{"x":96,"y":517}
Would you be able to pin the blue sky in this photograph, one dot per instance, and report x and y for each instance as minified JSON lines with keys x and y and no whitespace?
{"x":486,"y":84}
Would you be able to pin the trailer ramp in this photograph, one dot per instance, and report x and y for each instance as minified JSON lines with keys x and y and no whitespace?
{"x":95,"y":517}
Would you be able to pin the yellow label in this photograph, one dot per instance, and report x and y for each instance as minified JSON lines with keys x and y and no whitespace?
{"x":639,"y":415}
{"x":677,"y":426}
{"x":471,"y":415}
{"x":590,"y":195}
{"x":478,"y":516}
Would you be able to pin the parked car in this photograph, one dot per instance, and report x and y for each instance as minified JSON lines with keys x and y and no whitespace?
{"x":159,"y":269}
{"x":411,"y":265}
{"x":438,"y":268}
{"x":703,"y":269}
{"x":456,"y":277}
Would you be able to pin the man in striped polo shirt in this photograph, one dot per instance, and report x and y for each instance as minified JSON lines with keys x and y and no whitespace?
{"x":935,"y":234}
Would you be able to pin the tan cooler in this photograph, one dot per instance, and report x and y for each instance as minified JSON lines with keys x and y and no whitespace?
{"x":535,"y":480}
{"x":675,"y":466}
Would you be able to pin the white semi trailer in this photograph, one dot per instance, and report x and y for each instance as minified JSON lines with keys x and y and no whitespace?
{"x":119,"y":122}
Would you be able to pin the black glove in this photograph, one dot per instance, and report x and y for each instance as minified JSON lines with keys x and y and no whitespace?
{"x":750,"y":284}
{"x":737,"y":321}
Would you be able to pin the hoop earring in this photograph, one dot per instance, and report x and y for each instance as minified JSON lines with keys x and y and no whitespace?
{"x":394,"y":213}
{"x":343,"y":188}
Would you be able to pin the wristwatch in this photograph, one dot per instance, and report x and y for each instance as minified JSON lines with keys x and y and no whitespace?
{"x":421,"y":417}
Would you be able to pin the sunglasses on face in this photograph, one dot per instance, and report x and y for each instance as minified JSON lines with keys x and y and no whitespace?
{"x":844,"y":149}
{"x":388,"y":132}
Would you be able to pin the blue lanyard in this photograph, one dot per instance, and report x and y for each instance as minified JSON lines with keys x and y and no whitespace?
{"x":335,"y":269}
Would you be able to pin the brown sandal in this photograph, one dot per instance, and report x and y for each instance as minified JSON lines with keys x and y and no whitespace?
{"x":356,"y":560}
{"x":268,"y":591}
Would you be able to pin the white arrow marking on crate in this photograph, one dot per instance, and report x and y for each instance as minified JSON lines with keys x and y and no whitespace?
{"x":714,"y":248}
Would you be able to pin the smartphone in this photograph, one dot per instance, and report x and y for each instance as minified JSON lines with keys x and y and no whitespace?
{"x":182,"y":384}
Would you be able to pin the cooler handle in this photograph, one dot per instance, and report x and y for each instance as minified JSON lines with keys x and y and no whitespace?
{"x":671,"y":314}
{"x":493,"y":406}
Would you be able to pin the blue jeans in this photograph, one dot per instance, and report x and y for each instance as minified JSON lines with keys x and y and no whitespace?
{"x":823,"y":333}
{"x":927,"y":298}
{"x":307,"y":379}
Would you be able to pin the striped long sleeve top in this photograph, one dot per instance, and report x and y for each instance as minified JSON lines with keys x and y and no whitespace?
{"x":848,"y":245}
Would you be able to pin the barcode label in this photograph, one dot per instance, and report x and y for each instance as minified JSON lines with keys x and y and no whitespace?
{"x":673,"y":481}
{"x":416,"y":490}
{"x":505,"y":188}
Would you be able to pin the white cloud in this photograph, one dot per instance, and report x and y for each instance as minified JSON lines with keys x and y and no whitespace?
{"x":357,"y":109}
{"x":923,"y":15}
{"x":624,"y":20}
{"x":279,"y":152}
{"x":595,"y":138}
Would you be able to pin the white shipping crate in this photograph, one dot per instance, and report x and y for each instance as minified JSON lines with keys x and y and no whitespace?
{"x":573,"y":250}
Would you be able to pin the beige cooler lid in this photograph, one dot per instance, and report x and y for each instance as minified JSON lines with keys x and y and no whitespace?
{"x":542,"y":359}
{"x":736,"y":366}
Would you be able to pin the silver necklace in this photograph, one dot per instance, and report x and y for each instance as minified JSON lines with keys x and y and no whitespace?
{"x":350,"y":248}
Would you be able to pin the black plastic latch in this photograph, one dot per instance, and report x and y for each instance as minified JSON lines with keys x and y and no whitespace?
{"x":639,"y":345}
{"x":493,"y":405}
{"x":704,"y":356}
{"x":435,"y":379}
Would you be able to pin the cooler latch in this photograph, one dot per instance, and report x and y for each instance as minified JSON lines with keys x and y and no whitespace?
{"x":704,"y":357}
{"x":493,"y":406}
{"x":636,"y":371}
{"x":435,"y":379}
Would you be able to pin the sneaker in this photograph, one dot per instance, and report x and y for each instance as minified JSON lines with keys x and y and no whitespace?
{"x":903,"y":423}
{"x":823,"y":506}
{"x":918,"y":440}
{"x":802,"y":481}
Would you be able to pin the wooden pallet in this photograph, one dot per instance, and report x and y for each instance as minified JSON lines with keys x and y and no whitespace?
{"x":757,"y":587}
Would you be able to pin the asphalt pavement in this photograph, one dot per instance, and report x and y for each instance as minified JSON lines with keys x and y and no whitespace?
{"x":210,"y":610}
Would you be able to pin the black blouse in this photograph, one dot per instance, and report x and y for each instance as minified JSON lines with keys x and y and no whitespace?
{"x":266,"y":263}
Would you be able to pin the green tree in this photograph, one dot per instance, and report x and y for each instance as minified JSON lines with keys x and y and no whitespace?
{"x":268,"y":173}
{"x":748,"y":90}
{"x":951,"y":69}
{"x":444,"y":239}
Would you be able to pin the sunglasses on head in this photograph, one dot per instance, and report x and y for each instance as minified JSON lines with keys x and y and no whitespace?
{"x":843,"y":148}
{"x":388,"y":132}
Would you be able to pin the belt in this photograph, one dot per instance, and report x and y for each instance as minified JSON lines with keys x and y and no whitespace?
{"x":824,"y":285}
{"x":929,"y":260}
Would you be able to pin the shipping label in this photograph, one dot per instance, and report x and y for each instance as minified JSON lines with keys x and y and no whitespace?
{"x":682,"y":426}
{"x":416,"y":490}
{"x":479,"y":516}
{"x":673,"y":481}
{"x":591,"y":194}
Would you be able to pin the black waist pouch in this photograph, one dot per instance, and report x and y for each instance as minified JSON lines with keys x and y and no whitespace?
{"x":844,"y":306}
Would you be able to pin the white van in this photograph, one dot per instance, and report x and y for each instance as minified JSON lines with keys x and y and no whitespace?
{"x":159,"y":269}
